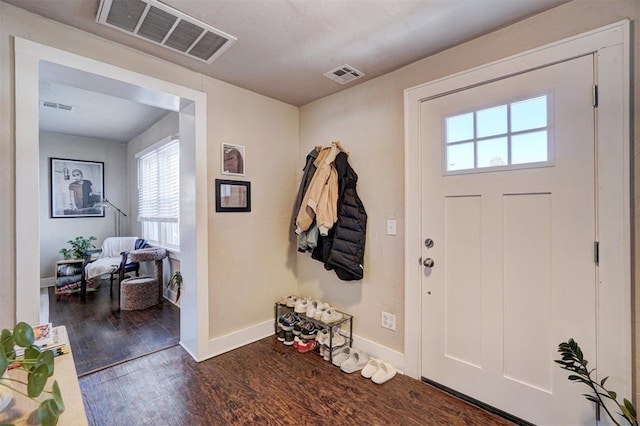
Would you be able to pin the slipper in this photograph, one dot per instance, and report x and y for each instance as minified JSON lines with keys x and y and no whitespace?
{"x":369,"y":370}
{"x":355,"y":362}
{"x":338,"y":356}
{"x":385,"y":372}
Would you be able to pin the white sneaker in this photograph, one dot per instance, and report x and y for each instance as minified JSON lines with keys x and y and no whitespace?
{"x":330,"y":316}
{"x":290,"y":301}
{"x":312,"y":307}
{"x":356,"y":361}
{"x":336,"y":340}
{"x":320,"y":310}
{"x":323,"y":337}
{"x":301,"y":305}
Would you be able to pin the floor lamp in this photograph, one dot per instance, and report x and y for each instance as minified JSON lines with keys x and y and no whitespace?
{"x":116,"y":214}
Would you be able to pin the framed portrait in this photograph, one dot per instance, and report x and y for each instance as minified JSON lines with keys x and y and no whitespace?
{"x":233,"y":159}
{"x":233,"y":196}
{"x":76,"y":187}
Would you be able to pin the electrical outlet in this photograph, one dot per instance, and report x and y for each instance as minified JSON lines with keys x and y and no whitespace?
{"x":388,"y":321}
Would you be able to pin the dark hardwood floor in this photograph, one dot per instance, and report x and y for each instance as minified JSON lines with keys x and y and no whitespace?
{"x":263,"y":383}
{"x":101,"y":335}
{"x":132,"y":372}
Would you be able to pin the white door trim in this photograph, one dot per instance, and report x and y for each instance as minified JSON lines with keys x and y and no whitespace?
{"x":613,"y":142}
{"x":194,"y":327}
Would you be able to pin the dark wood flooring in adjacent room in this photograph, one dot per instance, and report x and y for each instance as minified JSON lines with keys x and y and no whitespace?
{"x":101,"y":335}
{"x":263,"y":383}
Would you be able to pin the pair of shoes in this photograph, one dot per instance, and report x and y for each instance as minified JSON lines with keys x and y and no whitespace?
{"x":378,"y":371}
{"x":290,"y":301}
{"x":356,"y":361}
{"x":316,"y":309}
{"x":305,"y":329}
{"x":330,"y":315}
{"x":301,"y":305}
{"x":288,"y":321}
{"x":308,"y":346}
{"x":330,"y":338}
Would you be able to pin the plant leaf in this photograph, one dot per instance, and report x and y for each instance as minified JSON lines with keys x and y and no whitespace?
{"x":603,"y":381}
{"x":45,"y":358}
{"x":36,"y":380}
{"x":57,"y":396}
{"x":48,"y":413}
{"x":23,"y":334}
{"x":630,"y":407}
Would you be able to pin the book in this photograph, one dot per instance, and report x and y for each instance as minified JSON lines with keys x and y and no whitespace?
{"x":43,"y":334}
{"x":57,"y":342}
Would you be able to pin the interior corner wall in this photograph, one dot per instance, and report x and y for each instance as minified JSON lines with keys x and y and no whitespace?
{"x":55,"y":232}
{"x":368,"y":119}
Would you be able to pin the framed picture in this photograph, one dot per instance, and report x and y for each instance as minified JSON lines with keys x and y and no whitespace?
{"x":233,"y":159}
{"x":76,"y":186}
{"x":233,"y":196}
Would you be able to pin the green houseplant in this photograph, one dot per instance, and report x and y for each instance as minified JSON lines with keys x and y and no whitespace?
{"x":573,"y":360}
{"x":174,"y":284}
{"x":79,"y":247}
{"x":39,"y":366}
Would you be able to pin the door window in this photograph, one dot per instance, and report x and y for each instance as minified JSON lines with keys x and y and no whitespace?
{"x":510,"y":136}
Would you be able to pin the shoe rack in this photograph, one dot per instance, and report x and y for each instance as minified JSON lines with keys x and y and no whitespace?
{"x":340,"y":326}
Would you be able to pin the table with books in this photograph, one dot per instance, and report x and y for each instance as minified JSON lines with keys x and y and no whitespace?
{"x":22,"y":410}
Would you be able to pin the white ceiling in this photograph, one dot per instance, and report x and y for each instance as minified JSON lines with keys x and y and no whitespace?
{"x":285,"y":46}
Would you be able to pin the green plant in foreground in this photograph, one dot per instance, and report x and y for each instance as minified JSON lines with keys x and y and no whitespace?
{"x":79,"y":247}
{"x":573,"y":360}
{"x":39,"y":367}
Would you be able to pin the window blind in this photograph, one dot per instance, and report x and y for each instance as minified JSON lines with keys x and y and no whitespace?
{"x":159,"y":184}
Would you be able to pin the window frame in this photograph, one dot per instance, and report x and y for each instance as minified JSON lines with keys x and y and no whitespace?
{"x":551,"y":157}
{"x":161,"y":226}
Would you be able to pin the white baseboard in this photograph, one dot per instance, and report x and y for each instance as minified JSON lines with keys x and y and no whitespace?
{"x":47,"y":282}
{"x":220,"y":345}
{"x":378,"y":351}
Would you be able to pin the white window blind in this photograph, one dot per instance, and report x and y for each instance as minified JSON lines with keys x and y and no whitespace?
{"x":159,"y":184}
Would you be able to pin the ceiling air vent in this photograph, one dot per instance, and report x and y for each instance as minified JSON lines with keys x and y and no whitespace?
{"x":344,"y":74}
{"x":166,"y":26}
{"x":55,"y":105}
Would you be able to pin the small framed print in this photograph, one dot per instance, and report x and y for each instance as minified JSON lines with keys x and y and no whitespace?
{"x":233,"y":196}
{"x":233,"y":159}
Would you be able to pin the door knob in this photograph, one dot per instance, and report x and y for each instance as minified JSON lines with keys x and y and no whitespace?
{"x":428,"y":262}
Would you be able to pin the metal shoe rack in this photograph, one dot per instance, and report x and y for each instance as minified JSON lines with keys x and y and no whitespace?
{"x":347,"y":320}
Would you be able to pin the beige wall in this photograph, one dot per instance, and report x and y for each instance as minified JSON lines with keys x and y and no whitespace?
{"x":368,"y":119}
{"x":244,"y":272}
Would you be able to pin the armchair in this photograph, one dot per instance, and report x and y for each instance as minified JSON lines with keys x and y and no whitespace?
{"x":110,"y":259}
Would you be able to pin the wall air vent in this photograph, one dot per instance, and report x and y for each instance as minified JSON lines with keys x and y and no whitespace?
{"x":344,"y":74}
{"x":55,"y":105}
{"x":166,"y":26}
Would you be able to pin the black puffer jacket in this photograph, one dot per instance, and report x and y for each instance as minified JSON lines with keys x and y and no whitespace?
{"x":343,"y":249}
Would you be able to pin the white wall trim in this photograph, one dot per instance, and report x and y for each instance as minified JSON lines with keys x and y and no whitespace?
{"x":237,"y":339}
{"x":194,"y":328}
{"x":614,"y":314}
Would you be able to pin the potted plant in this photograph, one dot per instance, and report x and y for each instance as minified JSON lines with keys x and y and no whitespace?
{"x":573,"y":360}
{"x":38,"y":366}
{"x":79,"y":247}
{"x":174,"y":284}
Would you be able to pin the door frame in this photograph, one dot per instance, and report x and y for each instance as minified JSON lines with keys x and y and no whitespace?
{"x":194,"y":317}
{"x":611,"y":48}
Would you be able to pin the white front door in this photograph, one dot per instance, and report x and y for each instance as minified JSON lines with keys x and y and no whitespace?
{"x":509,"y":203}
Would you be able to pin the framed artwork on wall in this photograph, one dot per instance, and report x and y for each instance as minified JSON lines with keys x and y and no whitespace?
{"x":76,"y":186}
{"x":233,"y":159}
{"x":233,"y":196}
